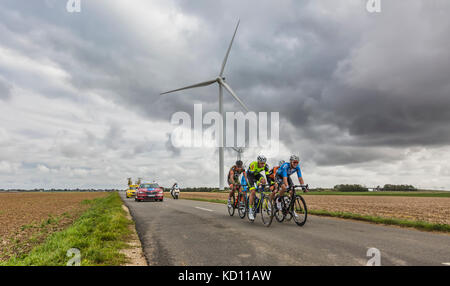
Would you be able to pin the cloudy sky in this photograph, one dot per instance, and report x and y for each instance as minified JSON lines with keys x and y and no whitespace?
{"x":362,"y":97}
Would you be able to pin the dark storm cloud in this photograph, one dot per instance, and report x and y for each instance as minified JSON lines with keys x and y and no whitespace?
{"x":284,"y":62}
{"x":92,"y":47}
{"x":393,"y":88}
{"x":342,"y":78}
{"x":379,"y":118}
{"x":402,"y":100}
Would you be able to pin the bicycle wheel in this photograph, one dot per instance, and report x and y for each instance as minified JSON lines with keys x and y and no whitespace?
{"x":242,"y":206}
{"x":266,"y":211}
{"x":256,"y":205}
{"x":300,"y":212}
{"x":287,"y":201}
{"x":231,"y":206}
{"x":278,"y":213}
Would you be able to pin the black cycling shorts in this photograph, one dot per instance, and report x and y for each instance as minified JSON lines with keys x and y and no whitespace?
{"x":253,"y":179}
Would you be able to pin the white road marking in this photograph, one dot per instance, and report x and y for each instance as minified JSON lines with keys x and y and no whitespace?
{"x":446,"y":263}
{"x":204,"y":209}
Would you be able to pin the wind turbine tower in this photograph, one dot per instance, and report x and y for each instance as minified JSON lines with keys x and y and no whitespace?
{"x":220,"y":80}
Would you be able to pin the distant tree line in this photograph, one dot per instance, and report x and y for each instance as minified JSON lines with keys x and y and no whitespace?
{"x":337,"y":188}
{"x":350,"y":188}
{"x":200,"y":189}
{"x":360,"y":188}
{"x":58,"y":190}
{"x":398,"y":188}
{"x":320,"y":189}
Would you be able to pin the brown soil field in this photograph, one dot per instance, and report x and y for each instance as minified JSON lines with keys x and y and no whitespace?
{"x":28,"y":218}
{"x":434,"y":210}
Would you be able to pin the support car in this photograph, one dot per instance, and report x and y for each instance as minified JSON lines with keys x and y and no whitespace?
{"x":149,"y":192}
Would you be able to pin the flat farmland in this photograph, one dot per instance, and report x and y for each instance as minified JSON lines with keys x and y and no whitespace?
{"x":27,"y":218}
{"x":428,"y":209}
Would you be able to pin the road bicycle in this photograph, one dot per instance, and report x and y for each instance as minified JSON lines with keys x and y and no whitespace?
{"x":239,"y":203}
{"x":243,"y":204}
{"x":293,"y":206}
{"x":262,"y":205}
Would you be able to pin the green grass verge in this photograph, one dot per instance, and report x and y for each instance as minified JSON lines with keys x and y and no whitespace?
{"x":99,"y":233}
{"x":421,"y":225}
{"x":433,"y":194}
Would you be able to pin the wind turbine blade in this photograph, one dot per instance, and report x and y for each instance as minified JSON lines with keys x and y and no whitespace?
{"x":228,"y":51}
{"x":228,"y":88}
{"x":193,"y":86}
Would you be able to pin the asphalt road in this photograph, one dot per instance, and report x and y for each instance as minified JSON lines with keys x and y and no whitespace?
{"x":191,"y":233}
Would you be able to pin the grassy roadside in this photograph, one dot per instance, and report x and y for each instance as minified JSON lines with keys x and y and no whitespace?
{"x":420,"y":225}
{"x":431,"y":194}
{"x":388,"y":194}
{"x":99,"y":235}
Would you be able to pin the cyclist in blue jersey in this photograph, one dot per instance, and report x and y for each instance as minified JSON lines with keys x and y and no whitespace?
{"x":283,"y":176}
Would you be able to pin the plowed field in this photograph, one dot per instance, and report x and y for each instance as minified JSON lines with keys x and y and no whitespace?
{"x":434,"y":210}
{"x":27,"y":218}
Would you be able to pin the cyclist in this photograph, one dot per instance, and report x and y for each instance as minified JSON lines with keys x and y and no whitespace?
{"x":233,"y":178}
{"x":255,"y":177}
{"x":271,"y":176}
{"x":283,"y":176}
{"x":271,"y":180}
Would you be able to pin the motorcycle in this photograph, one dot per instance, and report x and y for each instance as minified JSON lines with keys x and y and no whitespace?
{"x":175,"y":193}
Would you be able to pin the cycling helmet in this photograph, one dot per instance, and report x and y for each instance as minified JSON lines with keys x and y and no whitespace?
{"x":262,"y":158}
{"x":281,"y":163}
{"x":294,"y":158}
{"x":239,"y":163}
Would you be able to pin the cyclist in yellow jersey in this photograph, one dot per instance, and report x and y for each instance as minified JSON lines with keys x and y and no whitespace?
{"x":255,"y":177}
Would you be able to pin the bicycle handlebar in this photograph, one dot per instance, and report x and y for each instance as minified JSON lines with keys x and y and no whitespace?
{"x":262,"y":187}
{"x":305,"y":188}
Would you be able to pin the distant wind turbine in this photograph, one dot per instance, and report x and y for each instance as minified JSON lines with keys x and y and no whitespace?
{"x":239,"y":152}
{"x":220,"y":80}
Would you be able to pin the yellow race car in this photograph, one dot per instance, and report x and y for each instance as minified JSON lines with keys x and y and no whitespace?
{"x":131,"y":192}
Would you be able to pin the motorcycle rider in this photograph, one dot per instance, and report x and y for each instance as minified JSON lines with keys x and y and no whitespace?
{"x":175,"y":186}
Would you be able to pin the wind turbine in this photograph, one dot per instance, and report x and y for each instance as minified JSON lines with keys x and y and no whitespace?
{"x":220,"y":80}
{"x":239,"y":151}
